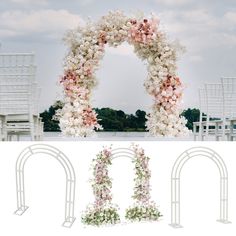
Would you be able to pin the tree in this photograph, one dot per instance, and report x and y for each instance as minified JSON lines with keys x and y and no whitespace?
{"x":51,"y":124}
{"x":141,"y":118}
{"x":192,"y":115}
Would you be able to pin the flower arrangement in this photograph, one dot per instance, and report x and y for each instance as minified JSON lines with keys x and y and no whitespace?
{"x":102,"y":216}
{"x":143,"y":213}
{"x":143,"y":208}
{"x":103,"y":211}
{"x":87,"y":48}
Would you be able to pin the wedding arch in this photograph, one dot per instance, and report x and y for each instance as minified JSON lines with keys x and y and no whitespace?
{"x":70,"y":179}
{"x":103,"y":211}
{"x":175,"y":182}
{"x":86,"y":49}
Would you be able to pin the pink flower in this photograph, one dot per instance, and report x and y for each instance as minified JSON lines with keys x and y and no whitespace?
{"x":144,"y":31}
{"x":169,"y":94}
{"x":89,"y":117}
{"x":102,"y":38}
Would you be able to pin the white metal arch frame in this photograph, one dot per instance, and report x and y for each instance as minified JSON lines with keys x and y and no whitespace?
{"x":175,"y":183}
{"x":70,"y":179}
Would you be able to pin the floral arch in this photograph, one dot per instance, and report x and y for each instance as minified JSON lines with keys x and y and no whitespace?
{"x":103,"y":211}
{"x":87,"y":48}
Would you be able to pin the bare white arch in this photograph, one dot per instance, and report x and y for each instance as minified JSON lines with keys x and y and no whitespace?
{"x":175,"y":183}
{"x":70,"y":179}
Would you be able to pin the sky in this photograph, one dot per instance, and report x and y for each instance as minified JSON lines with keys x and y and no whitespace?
{"x":207,"y":29}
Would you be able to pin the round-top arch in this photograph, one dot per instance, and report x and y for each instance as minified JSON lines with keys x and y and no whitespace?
{"x":175,"y":182}
{"x":103,"y":210}
{"x":70,"y":179}
{"x":86,"y":48}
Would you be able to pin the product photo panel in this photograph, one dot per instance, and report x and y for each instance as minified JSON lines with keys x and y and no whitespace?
{"x":150,"y":202}
{"x":117,"y":117}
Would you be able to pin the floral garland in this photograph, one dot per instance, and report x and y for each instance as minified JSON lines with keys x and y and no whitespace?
{"x":143,"y":208}
{"x":87,"y":48}
{"x":103,"y":211}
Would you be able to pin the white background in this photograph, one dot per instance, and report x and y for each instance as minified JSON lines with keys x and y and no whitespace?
{"x":45,"y":190}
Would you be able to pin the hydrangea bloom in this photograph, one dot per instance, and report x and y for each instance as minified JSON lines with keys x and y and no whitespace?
{"x":87,"y":48}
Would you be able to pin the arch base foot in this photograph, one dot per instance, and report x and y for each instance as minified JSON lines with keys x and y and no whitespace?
{"x":20,"y":211}
{"x":224,"y":221}
{"x":176,"y":226}
{"x":68,"y":222}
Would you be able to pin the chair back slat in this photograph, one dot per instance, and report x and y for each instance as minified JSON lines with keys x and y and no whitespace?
{"x":229,"y":94}
{"x":17,"y":64}
{"x":18,"y":87}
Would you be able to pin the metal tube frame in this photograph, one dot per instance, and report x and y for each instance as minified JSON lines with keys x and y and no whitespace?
{"x":122,"y":152}
{"x":175,"y":183}
{"x":70,"y":179}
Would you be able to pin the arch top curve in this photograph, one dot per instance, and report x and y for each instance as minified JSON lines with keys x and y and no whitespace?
{"x":198,"y":151}
{"x":122,"y":152}
{"x":37,"y":148}
{"x":48,"y":150}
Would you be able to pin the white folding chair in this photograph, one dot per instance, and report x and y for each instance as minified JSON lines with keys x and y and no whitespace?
{"x":19,"y":95}
{"x":212,"y":120}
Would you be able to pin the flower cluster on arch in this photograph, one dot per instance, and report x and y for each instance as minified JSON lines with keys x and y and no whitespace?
{"x":87,"y":48}
{"x":103,"y":211}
